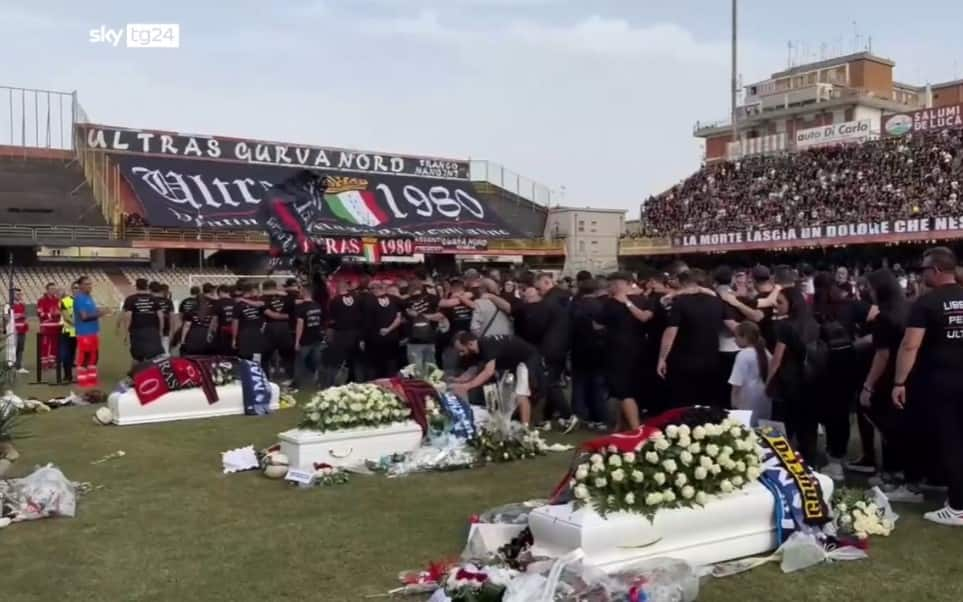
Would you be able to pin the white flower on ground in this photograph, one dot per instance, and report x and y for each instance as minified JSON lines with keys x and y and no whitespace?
{"x":659,"y":478}
{"x":726,"y":486}
{"x":615,"y":460}
{"x":706,"y":462}
{"x":600,"y":482}
{"x":737,"y":481}
{"x":638,"y":476}
{"x":701,"y":473}
{"x":695,"y":448}
{"x":740,"y":466}
{"x":662,"y":445}
{"x":713,"y":450}
{"x":716,"y":469}
{"x":684,"y":431}
{"x":597,"y":468}
{"x":727,"y":463}
{"x":701,"y":498}
{"x":686,"y":458}
{"x":699,"y":433}
{"x":752,"y":473}
{"x":315,"y":416}
{"x":684,"y":442}
{"x":681,"y":479}
{"x":597,"y":459}
{"x":727,"y":451}
{"x":581,"y":492}
{"x":618,"y":475}
{"x":735,"y":431}
{"x":668,"y":496}
{"x":688,"y":492}
{"x":652,"y":457}
{"x":653,"y":499}
{"x":630,"y":498}
{"x":582,"y":473}
{"x":672,"y":431}
{"x":629,"y":457}
{"x":670,"y":466}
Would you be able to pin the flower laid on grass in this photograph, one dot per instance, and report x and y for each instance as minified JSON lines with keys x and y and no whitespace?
{"x":326,"y":475}
{"x":477,"y":584}
{"x":496,"y":445}
{"x":353,"y":406}
{"x":855,"y":514}
{"x":669,"y":470}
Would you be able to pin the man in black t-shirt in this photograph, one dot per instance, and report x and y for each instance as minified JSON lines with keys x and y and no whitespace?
{"x":457,"y":309}
{"x":278,"y":337}
{"x":346,"y":320}
{"x":163,"y":294}
{"x":932,"y":352}
{"x":142,"y":323}
{"x":423,"y":316}
{"x":248,"y":326}
{"x":200,"y":325}
{"x":185,"y":313}
{"x":382,"y":332}
{"x":308,"y":338}
{"x":688,"y":357}
{"x":499,"y":354}
{"x":623,"y":316}
{"x":544,"y":323}
{"x":224,"y":309}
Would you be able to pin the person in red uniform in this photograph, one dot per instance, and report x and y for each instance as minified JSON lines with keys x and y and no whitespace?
{"x":48,"y":314}
{"x":19,"y":310}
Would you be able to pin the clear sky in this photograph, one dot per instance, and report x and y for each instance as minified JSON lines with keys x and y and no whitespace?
{"x":598,"y":96}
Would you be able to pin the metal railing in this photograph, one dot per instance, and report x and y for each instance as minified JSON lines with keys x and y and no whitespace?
{"x":642,"y":245}
{"x":519,"y":185}
{"x":41,"y":233}
{"x":33,"y":118}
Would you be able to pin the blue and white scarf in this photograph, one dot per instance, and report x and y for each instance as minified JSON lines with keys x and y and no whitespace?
{"x":256,"y":388}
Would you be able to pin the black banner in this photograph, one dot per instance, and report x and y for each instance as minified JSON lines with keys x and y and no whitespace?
{"x":435,"y":244}
{"x":189,"y":146}
{"x":180,"y":193}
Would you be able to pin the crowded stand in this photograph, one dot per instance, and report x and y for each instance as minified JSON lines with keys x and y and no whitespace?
{"x":886,"y":179}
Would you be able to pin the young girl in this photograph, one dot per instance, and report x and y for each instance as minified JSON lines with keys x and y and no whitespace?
{"x":749,"y":372}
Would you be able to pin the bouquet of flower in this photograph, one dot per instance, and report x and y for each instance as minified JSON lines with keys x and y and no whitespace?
{"x":437,"y":419}
{"x":500,"y":445}
{"x":856,"y":514}
{"x":477,"y":584}
{"x":430,"y":373}
{"x":325,"y":475}
{"x":353,"y":406}
{"x":678,"y":467}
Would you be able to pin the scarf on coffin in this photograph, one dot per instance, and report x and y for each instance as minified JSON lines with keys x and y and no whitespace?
{"x":797,"y":492}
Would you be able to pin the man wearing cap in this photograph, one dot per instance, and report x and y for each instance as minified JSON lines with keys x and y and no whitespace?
{"x":623,"y":316}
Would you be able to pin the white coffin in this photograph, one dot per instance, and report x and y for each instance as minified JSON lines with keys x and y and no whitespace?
{"x":348,"y":447}
{"x":735,"y":526}
{"x":181,"y":405}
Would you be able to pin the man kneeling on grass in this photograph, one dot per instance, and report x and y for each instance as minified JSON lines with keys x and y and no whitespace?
{"x":497,"y":354}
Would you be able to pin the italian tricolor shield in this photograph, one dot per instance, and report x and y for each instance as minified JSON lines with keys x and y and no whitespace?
{"x":357,"y":207}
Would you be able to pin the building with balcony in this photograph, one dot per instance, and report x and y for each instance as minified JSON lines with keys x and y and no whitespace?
{"x":847,"y":88}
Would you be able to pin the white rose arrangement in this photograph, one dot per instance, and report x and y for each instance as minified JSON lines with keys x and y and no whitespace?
{"x":681,"y":466}
{"x":856,"y":514}
{"x":356,"y":405}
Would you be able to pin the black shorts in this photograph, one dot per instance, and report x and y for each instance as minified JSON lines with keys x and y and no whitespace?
{"x":196,"y":342}
{"x":249,"y":342}
{"x":145,"y":344}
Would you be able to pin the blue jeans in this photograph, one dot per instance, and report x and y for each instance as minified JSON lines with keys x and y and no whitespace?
{"x":306,"y":364}
{"x":421,"y":353}
{"x":589,"y":395}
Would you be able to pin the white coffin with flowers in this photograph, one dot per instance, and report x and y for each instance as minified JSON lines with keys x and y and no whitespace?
{"x":181,"y":405}
{"x":733,"y":526}
{"x":348,"y":447}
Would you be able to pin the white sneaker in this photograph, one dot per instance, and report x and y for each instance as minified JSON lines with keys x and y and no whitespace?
{"x":23,"y":371}
{"x":568,"y":425}
{"x":905,"y":495}
{"x":834,"y":470}
{"x":945,"y":516}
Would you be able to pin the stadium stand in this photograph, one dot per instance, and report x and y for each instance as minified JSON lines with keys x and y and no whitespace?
{"x":33,"y":281}
{"x":887,"y":179}
{"x":41,"y":191}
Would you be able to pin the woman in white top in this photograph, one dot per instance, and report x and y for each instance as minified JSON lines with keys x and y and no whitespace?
{"x":748,"y":378}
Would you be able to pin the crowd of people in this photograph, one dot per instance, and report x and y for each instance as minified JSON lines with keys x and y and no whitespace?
{"x":886,"y":179}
